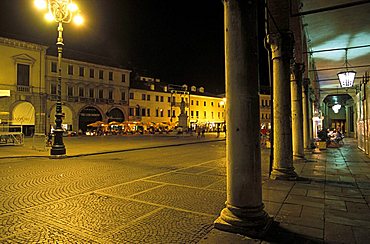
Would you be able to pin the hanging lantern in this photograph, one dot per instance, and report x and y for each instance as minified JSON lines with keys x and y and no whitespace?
{"x":346,"y":78}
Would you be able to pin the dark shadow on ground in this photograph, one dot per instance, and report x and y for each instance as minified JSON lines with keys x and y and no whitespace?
{"x":278,"y":234}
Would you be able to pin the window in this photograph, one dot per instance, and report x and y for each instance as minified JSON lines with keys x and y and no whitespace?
{"x":82,"y":71}
{"x":137,"y":110}
{"x":131,"y":95}
{"x":91,"y":92}
{"x":192,"y":102}
{"x":205,"y":103}
{"x":81,"y":92}
{"x":263,"y":116}
{"x":70,"y":69}
{"x":143,"y":112}
{"x":148,"y":112}
{"x":23,"y":75}
{"x":197,"y":114}
{"x":53,"y":89}
{"x":197,"y":103}
{"x":110,"y":75}
{"x":123,"y":78}
{"x":161,"y":112}
{"x":169,"y":113}
{"x":173,"y":113}
{"x":205,"y":114}
{"x":212,"y":115}
{"x":143,"y":97}
{"x":212,"y":104}
{"x":169,"y":99}
{"x":174,"y":99}
{"x":101,"y":74}
{"x":218,"y":114}
{"x":156,"y":112}
{"x":192,"y":114}
{"x":131,"y":111}
{"x":54,"y":67}
{"x":161,"y":98}
{"x":70,"y":91}
{"x":148,"y":97}
{"x":110,"y":94}
{"x":156,"y":98}
{"x":92,"y":73}
{"x":101,"y":93}
{"x":123,"y":96}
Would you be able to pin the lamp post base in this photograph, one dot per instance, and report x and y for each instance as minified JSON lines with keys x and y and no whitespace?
{"x":58,"y":152}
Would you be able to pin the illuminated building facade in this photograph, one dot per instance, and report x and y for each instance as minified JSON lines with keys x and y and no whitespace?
{"x":90,"y":91}
{"x":151,"y":100}
{"x":93,"y":92}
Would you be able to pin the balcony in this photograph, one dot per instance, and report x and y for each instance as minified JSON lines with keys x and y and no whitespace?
{"x":23,"y":88}
{"x":101,"y":100}
{"x":123,"y":102}
{"x":84,"y":99}
{"x":53,"y":97}
{"x":72,"y":99}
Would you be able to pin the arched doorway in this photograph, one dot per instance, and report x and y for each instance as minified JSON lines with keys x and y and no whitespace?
{"x":23,"y":115}
{"x":336,"y":115}
{"x":87,"y":116}
{"x":67,"y":118}
{"x":116,"y":114}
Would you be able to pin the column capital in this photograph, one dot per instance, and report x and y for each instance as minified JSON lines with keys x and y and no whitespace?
{"x":296,"y":71}
{"x":281,"y":44}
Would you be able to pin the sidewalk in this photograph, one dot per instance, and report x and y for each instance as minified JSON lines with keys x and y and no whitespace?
{"x":93,"y":145}
{"x":329,"y":203}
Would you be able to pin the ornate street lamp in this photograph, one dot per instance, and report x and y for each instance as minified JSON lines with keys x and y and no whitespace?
{"x":346,"y":78}
{"x":60,"y":11}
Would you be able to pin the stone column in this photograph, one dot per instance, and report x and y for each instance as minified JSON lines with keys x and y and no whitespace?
{"x":282,"y":51}
{"x":244,"y":212}
{"x":306,"y":117}
{"x":297,"y":112}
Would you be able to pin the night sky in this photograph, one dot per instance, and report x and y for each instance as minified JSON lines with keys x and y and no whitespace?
{"x":176,"y":40}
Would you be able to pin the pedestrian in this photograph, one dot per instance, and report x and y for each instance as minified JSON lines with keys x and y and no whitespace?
{"x":203,"y":132}
{"x":49,"y":140}
{"x":198,"y":131}
{"x":218,"y":130}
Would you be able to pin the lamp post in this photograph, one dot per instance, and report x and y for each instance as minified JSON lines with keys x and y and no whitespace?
{"x":60,"y":11}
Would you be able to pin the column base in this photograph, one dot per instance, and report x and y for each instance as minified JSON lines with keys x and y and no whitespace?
{"x":284,"y":174}
{"x":252,"y":222}
{"x":300,"y":156}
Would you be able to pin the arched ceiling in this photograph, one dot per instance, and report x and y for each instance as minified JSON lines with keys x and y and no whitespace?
{"x":337,"y":24}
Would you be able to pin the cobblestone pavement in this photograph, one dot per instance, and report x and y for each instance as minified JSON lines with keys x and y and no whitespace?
{"x":173,"y":195}
{"x":163,"y":195}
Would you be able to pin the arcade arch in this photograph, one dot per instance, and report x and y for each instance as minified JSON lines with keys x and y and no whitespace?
{"x":115,"y":114}
{"x":88,"y":115}
{"x":23,"y":114}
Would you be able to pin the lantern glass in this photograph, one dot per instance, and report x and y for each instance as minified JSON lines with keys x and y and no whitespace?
{"x":346,"y":78}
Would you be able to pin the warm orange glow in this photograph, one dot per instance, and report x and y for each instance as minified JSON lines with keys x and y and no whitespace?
{"x":49,"y":17}
{"x":78,"y":20}
{"x":72,"y":7}
{"x":40,"y":4}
